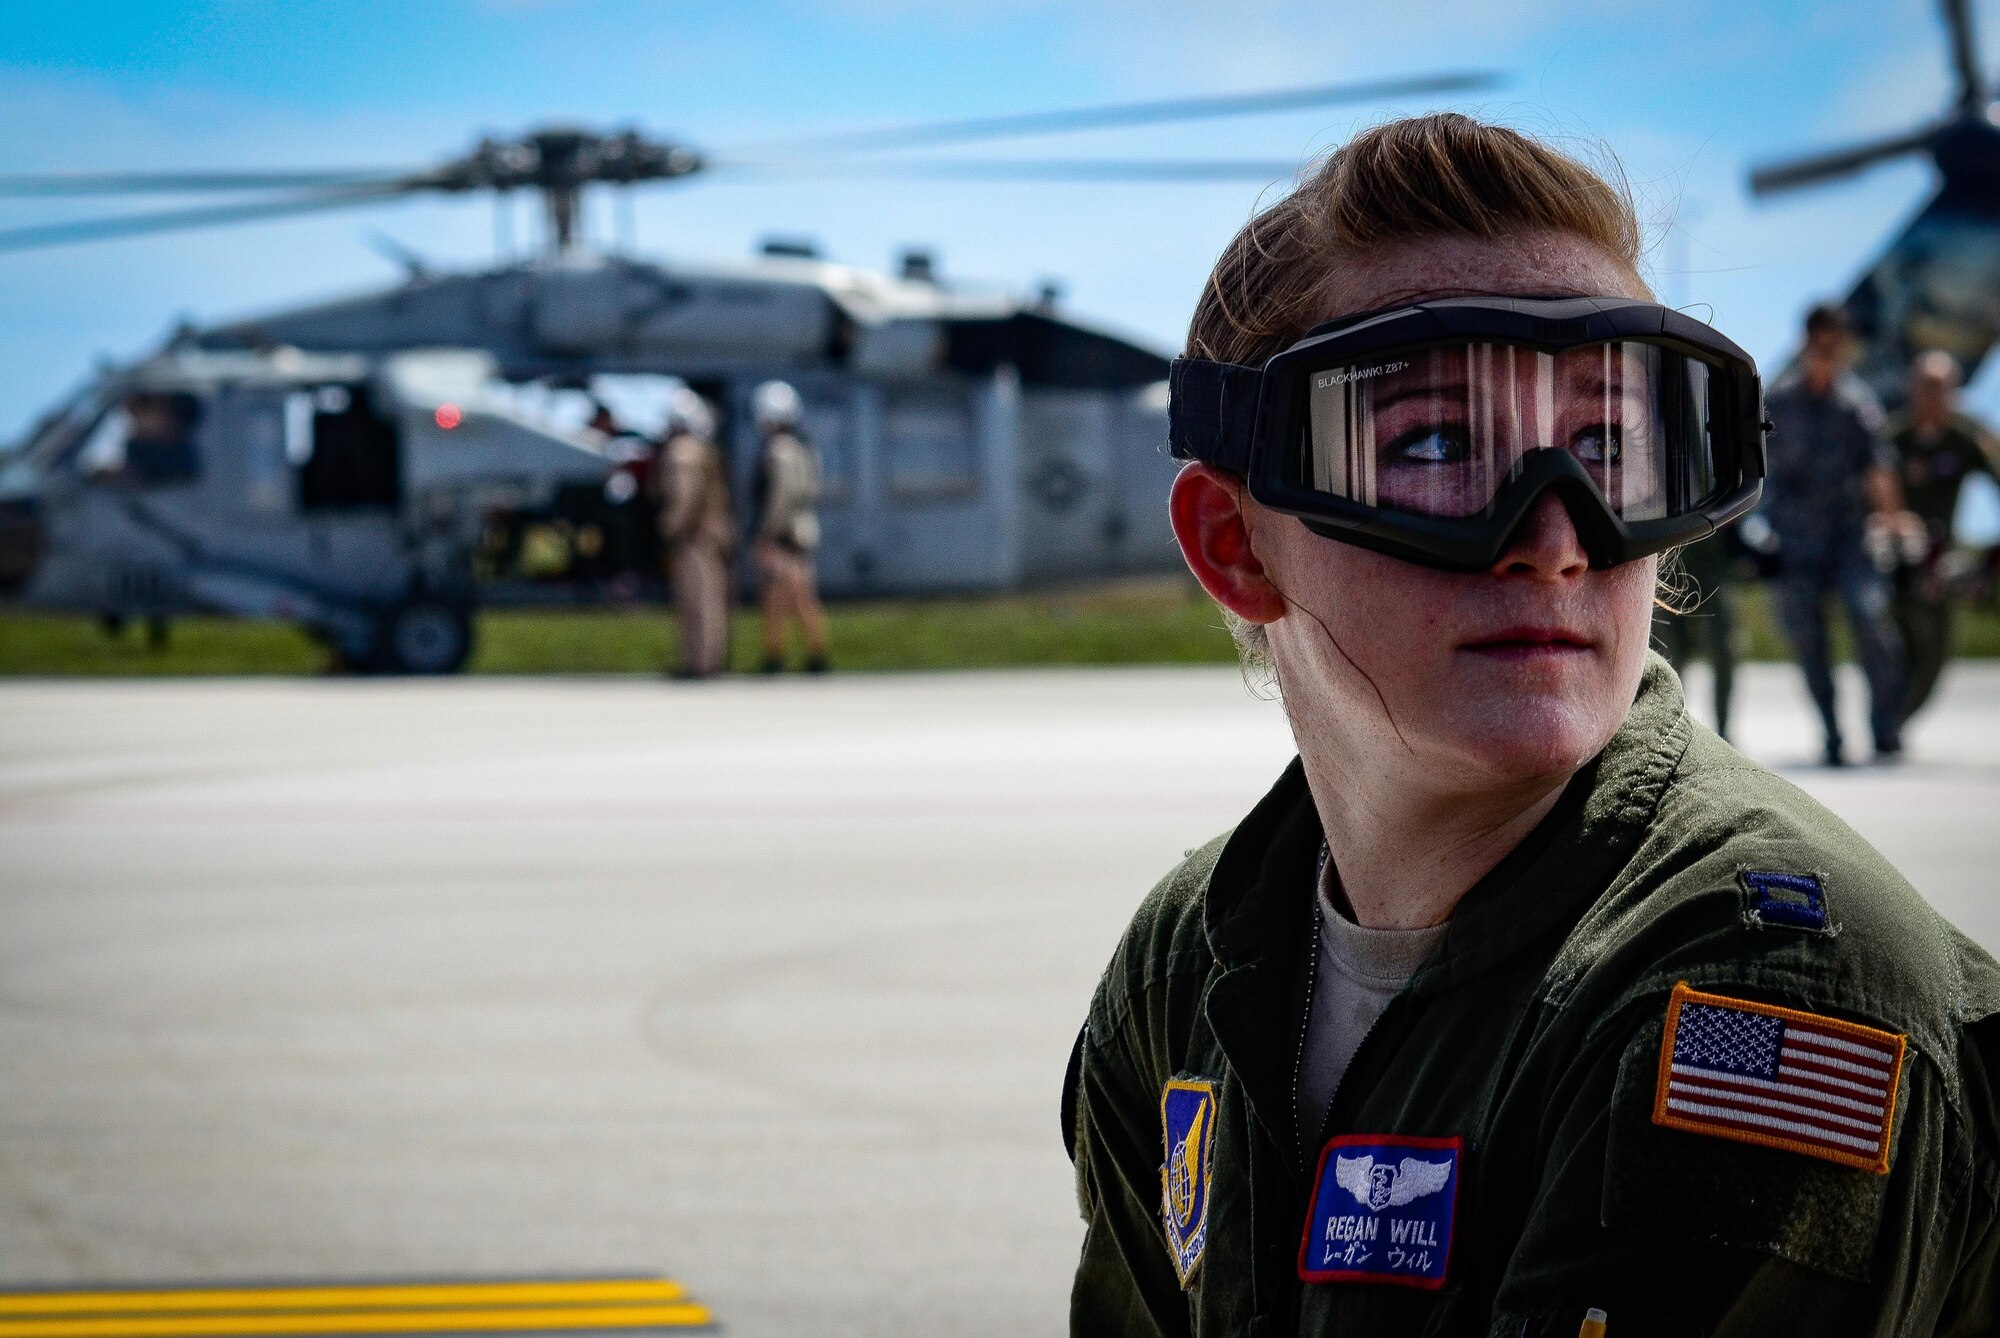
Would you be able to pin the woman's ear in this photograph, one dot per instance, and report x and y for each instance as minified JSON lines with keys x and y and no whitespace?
{"x":1209,"y":512}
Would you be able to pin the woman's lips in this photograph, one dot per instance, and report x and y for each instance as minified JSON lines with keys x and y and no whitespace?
{"x":1530,"y":642}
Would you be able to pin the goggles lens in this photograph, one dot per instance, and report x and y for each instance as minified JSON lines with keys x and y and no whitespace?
{"x":1440,"y":431}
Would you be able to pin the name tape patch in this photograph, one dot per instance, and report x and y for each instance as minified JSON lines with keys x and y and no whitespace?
{"x":1382,"y":1211}
{"x":1187,"y":1114}
{"x":1778,"y":1077}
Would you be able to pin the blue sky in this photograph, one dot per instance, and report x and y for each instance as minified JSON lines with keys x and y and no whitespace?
{"x":1685,"y":94}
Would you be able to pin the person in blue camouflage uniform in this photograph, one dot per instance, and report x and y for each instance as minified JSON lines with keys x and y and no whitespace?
{"x":1828,"y":470}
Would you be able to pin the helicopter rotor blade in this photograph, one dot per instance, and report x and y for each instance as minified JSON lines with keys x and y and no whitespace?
{"x":1964,"y":54}
{"x":1131,"y":113}
{"x":174,"y":183}
{"x":1036,"y":169}
{"x":180,"y":220}
{"x":1793,"y":173}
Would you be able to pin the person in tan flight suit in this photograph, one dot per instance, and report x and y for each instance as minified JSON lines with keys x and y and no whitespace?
{"x":787,"y":528}
{"x":696,"y":524}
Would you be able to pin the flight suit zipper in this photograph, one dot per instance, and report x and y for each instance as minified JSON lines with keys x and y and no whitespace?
{"x":1308,"y":1154}
{"x":1324,"y":1131}
{"x":1315,"y":928}
{"x":1305,"y":1023}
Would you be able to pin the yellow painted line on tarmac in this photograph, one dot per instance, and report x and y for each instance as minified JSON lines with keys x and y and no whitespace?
{"x":526,"y":1319}
{"x":631,"y":1305}
{"x":338,"y":1298}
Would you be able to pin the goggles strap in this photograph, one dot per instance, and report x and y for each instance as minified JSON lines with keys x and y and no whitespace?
{"x":1212,"y":414}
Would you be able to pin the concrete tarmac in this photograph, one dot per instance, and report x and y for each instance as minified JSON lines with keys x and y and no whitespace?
{"x":764,"y":985}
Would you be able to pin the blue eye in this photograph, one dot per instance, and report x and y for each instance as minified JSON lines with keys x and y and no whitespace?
{"x":1430,"y":446}
{"x":1598,"y":444}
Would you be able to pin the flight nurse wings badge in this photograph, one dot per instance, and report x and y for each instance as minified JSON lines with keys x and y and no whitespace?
{"x":1187,"y":1119}
{"x":1387,"y":1186}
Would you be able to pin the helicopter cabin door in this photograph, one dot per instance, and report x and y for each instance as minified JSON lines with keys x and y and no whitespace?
{"x":1073,"y":522}
{"x":944,"y":497}
{"x":310,"y":486}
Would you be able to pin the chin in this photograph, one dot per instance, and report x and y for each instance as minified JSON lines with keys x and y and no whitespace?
{"x":1525,"y":739}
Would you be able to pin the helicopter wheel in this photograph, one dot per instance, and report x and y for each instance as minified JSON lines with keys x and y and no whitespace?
{"x":425,"y":635}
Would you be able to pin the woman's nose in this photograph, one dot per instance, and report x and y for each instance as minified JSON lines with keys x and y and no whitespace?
{"x":1545,"y":544}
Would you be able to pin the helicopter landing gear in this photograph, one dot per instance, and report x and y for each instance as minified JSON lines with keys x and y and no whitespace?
{"x":158,"y":630}
{"x":425,"y":634}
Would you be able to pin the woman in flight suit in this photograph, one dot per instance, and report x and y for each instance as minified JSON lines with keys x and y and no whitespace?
{"x":1520,"y":994}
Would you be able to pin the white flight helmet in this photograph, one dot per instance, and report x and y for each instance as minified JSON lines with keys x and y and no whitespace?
{"x":776,"y":405}
{"x":689,"y":412}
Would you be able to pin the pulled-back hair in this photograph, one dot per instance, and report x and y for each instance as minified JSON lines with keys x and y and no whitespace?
{"x":1442,"y":175}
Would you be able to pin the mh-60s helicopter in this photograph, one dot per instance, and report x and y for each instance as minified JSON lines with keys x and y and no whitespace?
{"x":366,"y":466}
{"x":1937,"y":286}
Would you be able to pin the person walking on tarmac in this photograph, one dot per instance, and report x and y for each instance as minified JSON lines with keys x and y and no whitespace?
{"x":787,"y":528}
{"x":1520,"y":994}
{"x":696,"y":525}
{"x":1827,"y":472}
{"x":1700,"y":619}
{"x":1936,"y":448}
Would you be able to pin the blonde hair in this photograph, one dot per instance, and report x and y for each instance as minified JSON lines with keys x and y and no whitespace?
{"x":1441,"y":175}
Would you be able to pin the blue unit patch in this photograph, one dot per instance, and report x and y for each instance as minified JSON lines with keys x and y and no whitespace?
{"x":1785,"y":900}
{"x":1382,"y":1211}
{"x":1187,"y":1113}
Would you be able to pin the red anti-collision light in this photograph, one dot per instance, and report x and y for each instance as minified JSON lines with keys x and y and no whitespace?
{"x":448,"y":416}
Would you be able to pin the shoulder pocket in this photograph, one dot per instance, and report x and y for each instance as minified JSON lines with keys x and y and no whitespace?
{"x":1696,"y":1187}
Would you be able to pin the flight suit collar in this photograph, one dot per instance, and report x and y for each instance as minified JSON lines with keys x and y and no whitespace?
{"x":1259,"y":902}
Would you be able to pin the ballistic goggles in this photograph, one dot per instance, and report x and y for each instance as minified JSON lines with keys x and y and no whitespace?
{"x":1429,"y":432}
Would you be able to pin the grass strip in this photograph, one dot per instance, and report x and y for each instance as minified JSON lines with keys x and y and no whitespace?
{"x":1156,"y":622}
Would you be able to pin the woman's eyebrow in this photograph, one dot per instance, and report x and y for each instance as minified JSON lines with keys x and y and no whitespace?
{"x":1591,"y":382}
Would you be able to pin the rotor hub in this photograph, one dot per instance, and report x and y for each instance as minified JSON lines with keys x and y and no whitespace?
{"x":559,"y":161}
{"x":567,"y":158}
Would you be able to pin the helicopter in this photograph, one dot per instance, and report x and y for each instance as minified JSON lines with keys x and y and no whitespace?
{"x":344,"y":493}
{"x":1937,"y":286}
{"x":969,"y":442}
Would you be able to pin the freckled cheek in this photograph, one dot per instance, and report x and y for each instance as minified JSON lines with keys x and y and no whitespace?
{"x":1628,"y":606}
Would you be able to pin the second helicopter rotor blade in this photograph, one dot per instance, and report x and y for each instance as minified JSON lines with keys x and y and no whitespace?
{"x":1807,"y":171}
{"x":1964,"y":54}
{"x":1128,"y":114}
{"x":180,"y":220}
{"x":173,"y":183}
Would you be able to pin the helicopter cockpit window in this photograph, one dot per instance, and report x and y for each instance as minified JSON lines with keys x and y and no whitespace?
{"x":932,"y":445}
{"x":149,"y":439}
{"x":347,"y":454}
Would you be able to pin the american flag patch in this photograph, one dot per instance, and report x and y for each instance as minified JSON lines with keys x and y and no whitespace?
{"x":1778,"y":1077}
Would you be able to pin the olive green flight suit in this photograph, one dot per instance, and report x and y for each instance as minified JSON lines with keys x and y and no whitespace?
{"x":1534,"y":1035}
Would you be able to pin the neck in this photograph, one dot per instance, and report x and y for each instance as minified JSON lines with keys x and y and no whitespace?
{"x":1929,"y":424}
{"x":1408,"y":854}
